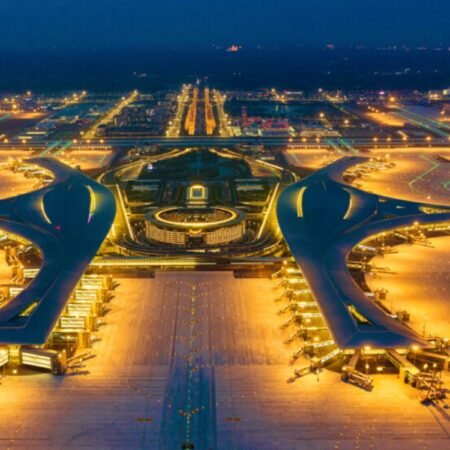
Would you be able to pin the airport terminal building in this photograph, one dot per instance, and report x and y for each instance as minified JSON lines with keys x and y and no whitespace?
{"x":195,"y":226}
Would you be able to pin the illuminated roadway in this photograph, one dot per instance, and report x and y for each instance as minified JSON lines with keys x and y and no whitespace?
{"x":175,"y":125}
{"x":211,"y":141}
{"x":224,"y":129}
{"x":124,"y":102}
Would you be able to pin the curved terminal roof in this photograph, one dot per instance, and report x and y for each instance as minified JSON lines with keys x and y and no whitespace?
{"x":322,"y":219}
{"x":68,"y":221}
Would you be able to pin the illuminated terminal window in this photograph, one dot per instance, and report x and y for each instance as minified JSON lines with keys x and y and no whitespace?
{"x":433,"y":210}
{"x":29,"y":309}
{"x":360,"y":319}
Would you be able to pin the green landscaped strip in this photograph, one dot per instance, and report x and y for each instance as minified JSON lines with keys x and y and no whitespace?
{"x":347,"y":145}
{"x":433,"y":121}
{"x":333,"y":145}
{"x":434,"y":166}
{"x":421,"y":121}
{"x":49,"y":148}
{"x":63,"y":147}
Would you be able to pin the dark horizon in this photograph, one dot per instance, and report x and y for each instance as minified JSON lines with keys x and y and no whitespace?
{"x":153,"y":24}
{"x":106,"y":45}
{"x":287,"y":67}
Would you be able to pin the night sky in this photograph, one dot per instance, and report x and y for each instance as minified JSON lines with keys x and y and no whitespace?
{"x":200,"y":23}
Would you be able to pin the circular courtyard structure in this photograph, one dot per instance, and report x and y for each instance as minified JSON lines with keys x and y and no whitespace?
{"x":195,"y":226}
